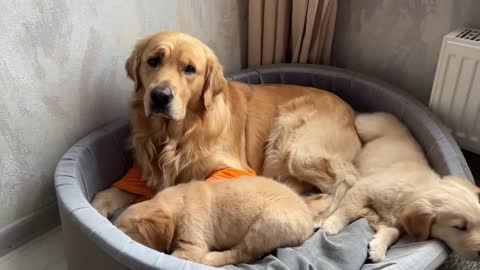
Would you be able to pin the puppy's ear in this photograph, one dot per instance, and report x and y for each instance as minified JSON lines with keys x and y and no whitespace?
{"x":157,"y":230}
{"x":214,"y":80}
{"x":132,"y":66}
{"x":417,"y":219}
{"x":462,"y":182}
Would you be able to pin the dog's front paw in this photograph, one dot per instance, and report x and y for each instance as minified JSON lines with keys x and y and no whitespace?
{"x":184,"y":255}
{"x":215,"y":259}
{"x":376,"y":250}
{"x":108,"y":201}
{"x":102,"y":204}
{"x":331,"y":226}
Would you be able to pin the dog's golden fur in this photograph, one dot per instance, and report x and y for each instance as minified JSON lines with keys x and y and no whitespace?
{"x":213,"y":124}
{"x":220,"y":222}
{"x":407,"y":195}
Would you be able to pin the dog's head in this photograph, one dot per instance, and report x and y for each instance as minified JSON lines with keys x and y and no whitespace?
{"x":450,"y":213}
{"x":148,"y":225}
{"x":175,"y":73}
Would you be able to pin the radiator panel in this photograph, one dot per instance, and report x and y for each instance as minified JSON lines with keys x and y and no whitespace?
{"x":456,"y":89}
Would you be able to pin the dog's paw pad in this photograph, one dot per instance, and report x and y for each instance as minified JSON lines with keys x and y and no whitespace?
{"x":376,"y":250}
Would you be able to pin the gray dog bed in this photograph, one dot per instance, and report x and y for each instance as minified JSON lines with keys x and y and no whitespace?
{"x":96,"y":161}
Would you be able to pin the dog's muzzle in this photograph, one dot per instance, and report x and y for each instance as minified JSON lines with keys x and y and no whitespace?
{"x":160,"y":99}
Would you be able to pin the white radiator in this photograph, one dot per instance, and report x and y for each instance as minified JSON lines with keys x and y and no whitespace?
{"x":456,"y":89}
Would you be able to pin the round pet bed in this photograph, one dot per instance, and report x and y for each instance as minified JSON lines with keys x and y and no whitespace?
{"x":96,"y":161}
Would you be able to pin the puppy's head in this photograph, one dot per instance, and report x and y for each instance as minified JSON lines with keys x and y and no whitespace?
{"x":148,"y":225}
{"x":449,"y":212}
{"x":174,"y":73}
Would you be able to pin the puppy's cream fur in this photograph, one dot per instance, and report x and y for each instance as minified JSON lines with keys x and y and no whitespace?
{"x":220,"y":222}
{"x":397,"y":182}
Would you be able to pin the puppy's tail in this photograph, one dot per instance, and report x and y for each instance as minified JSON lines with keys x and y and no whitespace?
{"x":323,"y":205}
{"x":371,"y":126}
{"x":346,"y":176}
{"x":333,"y":176}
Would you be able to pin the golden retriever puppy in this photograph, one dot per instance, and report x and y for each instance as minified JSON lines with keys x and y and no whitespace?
{"x":220,"y":222}
{"x":308,"y":144}
{"x":398,"y":184}
{"x":187,"y":121}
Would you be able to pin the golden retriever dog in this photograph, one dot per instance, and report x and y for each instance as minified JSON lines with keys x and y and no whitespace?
{"x":187,"y":121}
{"x":220,"y":222}
{"x":398,"y":184}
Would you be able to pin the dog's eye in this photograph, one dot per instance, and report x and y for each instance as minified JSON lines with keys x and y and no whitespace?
{"x":189,"y":70}
{"x":462,"y":227}
{"x":153,"y":62}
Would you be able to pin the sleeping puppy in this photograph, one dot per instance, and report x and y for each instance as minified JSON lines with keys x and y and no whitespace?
{"x":220,"y":222}
{"x":397,"y":182}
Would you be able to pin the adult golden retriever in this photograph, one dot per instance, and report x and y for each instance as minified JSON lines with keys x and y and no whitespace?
{"x":399,"y":185}
{"x":188,"y":121}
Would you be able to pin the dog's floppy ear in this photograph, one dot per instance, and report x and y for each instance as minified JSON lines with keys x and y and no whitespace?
{"x":214,"y":80}
{"x":157,"y":230}
{"x":132,"y":66}
{"x":417,"y":219}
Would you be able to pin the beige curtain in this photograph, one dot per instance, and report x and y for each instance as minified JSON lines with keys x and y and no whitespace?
{"x":296,"y":31}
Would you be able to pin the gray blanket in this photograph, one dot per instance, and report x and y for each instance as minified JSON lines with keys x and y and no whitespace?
{"x":349,"y":250}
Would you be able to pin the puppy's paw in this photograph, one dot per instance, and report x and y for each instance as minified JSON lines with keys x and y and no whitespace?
{"x":318,"y":222}
{"x":215,"y":259}
{"x":184,"y":255}
{"x":331,"y":226}
{"x":376,"y":250}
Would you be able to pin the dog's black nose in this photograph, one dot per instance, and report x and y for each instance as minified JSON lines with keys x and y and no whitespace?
{"x":159,"y":98}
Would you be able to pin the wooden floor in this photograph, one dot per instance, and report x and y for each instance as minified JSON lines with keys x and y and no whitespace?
{"x":42,"y":253}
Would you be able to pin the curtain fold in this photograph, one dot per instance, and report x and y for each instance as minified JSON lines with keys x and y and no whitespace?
{"x":290,"y":31}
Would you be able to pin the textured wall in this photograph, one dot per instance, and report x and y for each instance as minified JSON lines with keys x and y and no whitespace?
{"x":221,"y":24}
{"x":398,"y":41}
{"x":62,"y":74}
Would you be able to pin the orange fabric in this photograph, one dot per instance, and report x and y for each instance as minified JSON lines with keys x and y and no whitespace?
{"x":229,"y":173}
{"x":133,"y":181}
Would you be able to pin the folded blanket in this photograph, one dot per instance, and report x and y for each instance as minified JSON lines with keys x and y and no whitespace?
{"x":347,"y":250}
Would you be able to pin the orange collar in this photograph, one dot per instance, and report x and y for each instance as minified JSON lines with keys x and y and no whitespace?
{"x":133,"y":181}
{"x":229,"y":173}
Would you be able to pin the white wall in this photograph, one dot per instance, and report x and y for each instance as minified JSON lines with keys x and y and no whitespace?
{"x":62,"y":74}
